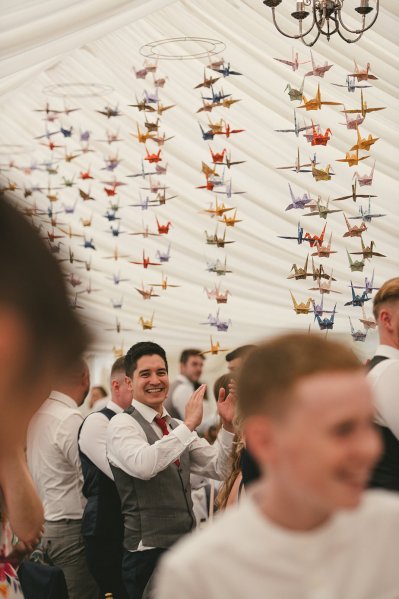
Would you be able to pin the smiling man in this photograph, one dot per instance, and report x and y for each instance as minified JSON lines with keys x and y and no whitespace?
{"x":307,"y":529}
{"x":151,"y":457}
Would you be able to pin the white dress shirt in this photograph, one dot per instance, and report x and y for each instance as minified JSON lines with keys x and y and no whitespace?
{"x":181,"y":394}
{"x":93,"y":438}
{"x":53,"y":457}
{"x":244,"y":554}
{"x":384,"y":380}
{"x":129,"y":450}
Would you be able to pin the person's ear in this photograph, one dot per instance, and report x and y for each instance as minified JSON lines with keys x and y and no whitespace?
{"x":259,"y":438}
{"x":385,"y":318}
{"x":129,"y":383}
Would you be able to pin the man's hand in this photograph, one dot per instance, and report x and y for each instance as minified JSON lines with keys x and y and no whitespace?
{"x":227,"y":406}
{"x":195,"y":408}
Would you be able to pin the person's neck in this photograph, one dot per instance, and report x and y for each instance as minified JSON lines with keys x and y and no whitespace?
{"x":387,"y":339}
{"x":287,"y":512}
{"x":71,"y":393}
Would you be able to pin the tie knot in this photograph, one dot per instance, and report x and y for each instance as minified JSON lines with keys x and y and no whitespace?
{"x":161,"y":422}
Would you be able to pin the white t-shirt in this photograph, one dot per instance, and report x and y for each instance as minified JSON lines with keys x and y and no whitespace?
{"x":243,"y":555}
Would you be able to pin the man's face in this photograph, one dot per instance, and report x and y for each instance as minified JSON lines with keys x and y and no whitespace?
{"x":234,"y":364}
{"x":150,"y":382}
{"x":320,"y":453}
{"x":192,"y":369}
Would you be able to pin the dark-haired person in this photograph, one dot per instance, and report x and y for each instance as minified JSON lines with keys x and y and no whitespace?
{"x":308,"y":528}
{"x":384,"y":379}
{"x":234,"y":358}
{"x":187,"y":381}
{"x":102,"y":524}
{"x":34,"y":316}
{"x":53,"y":459}
{"x":151,"y":457}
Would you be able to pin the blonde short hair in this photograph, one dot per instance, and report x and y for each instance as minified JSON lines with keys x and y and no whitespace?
{"x":271,"y":371}
{"x":387,"y":293}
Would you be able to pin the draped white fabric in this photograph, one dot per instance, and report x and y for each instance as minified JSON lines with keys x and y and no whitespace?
{"x":37,"y":53}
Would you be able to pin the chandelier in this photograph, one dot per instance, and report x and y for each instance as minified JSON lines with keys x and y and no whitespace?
{"x":326,"y":19}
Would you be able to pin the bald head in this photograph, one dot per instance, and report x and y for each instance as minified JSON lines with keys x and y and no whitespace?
{"x":75,"y":382}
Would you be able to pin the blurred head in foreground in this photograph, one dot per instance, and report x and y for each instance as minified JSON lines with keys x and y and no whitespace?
{"x":40,"y":335}
{"x":308,"y":421}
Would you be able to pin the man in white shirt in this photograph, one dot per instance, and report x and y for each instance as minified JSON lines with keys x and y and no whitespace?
{"x":151,"y":457}
{"x":102,"y":523}
{"x":307,"y":529}
{"x":53,"y":461}
{"x":182,"y":388}
{"x":384,"y":378}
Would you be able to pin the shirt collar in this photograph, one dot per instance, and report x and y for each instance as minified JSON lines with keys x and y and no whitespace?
{"x":65,"y":399}
{"x":182,"y":378}
{"x":111,"y":405}
{"x":387,"y":351}
{"x":147,"y":412}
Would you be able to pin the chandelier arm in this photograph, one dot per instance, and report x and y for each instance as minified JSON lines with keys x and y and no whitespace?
{"x":295,"y":37}
{"x":347,"y":40}
{"x":377,"y":8}
{"x":310,"y":44}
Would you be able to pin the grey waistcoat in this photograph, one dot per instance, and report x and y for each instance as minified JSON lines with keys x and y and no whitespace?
{"x":157,"y":511}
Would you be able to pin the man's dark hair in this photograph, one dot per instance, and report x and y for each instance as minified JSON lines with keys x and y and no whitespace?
{"x":118,"y":366}
{"x":187,"y":353}
{"x":239,"y":352}
{"x":32,"y":283}
{"x":138,"y":350}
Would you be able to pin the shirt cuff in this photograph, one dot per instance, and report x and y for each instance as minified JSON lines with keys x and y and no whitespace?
{"x":183,"y":433}
{"x":226,"y":437}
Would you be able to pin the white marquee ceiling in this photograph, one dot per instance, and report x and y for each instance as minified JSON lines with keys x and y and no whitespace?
{"x":60,"y":49}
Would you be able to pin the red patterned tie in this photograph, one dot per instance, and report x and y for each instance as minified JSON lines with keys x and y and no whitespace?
{"x":161,"y":422}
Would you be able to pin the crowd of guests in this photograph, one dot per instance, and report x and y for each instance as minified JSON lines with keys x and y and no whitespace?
{"x":112,"y":500}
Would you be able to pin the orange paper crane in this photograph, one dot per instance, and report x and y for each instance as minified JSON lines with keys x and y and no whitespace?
{"x":217,"y":157}
{"x":147,"y":323}
{"x":316,"y":103}
{"x":364,"y":143}
{"x":145,"y":262}
{"x":154,"y":157}
{"x":364,"y":109}
{"x":355,"y":230}
{"x":362,"y":74}
{"x":302,"y":307}
{"x":164,"y":284}
{"x":218,"y":209}
{"x":230,"y":221}
{"x":163,"y":229}
{"x":142,"y":137}
{"x":207,"y":81}
{"x":215,"y":349}
{"x":146,"y":294}
{"x":353,"y":159}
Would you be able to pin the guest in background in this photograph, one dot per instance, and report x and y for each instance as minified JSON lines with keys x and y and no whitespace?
{"x":384,"y":378}
{"x":188,"y":381}
{"x":98,"y":398}
{"x":102,"y":523}
{"x":234,"y":358}
{"x":151,"y":456}
{"x":34,"y":316}
{"x":53,"y":459}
